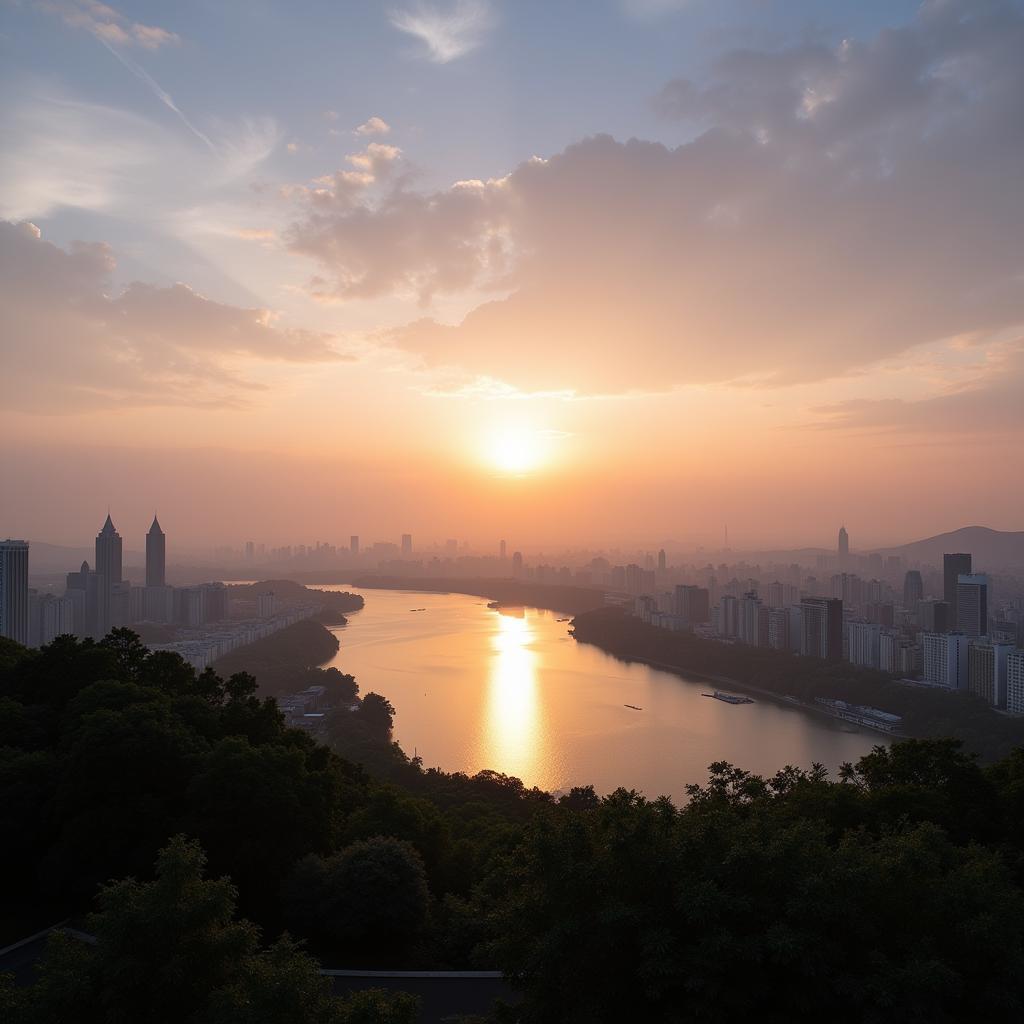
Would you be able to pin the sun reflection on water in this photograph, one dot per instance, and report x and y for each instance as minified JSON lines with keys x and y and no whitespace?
{"x":511,"y":736}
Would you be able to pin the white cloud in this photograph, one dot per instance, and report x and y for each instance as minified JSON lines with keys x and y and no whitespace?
{"x":374,"y":126}
{"x":448,"y":30}
{"x":791,"y":241}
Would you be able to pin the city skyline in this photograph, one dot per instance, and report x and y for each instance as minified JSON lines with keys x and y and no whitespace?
{"x":760,"y":283}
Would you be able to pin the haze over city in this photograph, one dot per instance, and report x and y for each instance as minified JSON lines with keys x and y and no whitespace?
{"x":619,"y":271}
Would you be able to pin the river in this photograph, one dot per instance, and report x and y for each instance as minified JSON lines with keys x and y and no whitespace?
{"x":510,"y":690}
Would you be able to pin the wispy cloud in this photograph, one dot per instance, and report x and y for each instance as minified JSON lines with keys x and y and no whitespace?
{"x":448,"y":30}
{"x":107,"y":24}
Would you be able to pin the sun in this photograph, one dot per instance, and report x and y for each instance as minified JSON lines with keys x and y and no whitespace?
{"x":514,"y":450}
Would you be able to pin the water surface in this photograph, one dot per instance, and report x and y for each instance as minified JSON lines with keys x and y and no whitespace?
{"x":476,"y":688}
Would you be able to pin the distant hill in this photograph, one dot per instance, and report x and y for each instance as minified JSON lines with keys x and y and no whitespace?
{"x":992,"y":549}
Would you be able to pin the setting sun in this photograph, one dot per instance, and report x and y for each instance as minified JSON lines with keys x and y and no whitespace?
{"x":515,"y":450}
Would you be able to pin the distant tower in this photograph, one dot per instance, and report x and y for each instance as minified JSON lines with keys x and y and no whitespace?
{"x":156,"y":556}
{"x":913,"y":589}
{"x":353,"y":544}
{"x":844,"y":545}
{"x":406,"y":543}
{"x":14,"y":603}
{"x":503,"y":551}
{"x":662,"y":560}
{"x":953,"y":567}
{"x":109,"y":567}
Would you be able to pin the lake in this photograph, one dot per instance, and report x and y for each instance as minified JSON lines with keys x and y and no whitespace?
{"x":511,"y":690}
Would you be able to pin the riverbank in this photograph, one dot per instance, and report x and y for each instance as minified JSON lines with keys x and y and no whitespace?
{"x":780,"y":675}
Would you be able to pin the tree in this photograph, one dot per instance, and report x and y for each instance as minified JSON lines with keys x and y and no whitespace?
{"x":371,"y":897}
{"x":171,"y":951}
{"x":377,"y":714}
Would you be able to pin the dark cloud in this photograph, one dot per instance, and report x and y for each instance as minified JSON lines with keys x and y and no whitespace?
{"x":67,"y":344}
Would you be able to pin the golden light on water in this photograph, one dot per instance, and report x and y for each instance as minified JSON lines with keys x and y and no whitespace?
{"x":512,"y":727}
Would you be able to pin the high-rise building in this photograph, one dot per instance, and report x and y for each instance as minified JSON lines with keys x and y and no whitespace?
{"x":692,"y":604}
{"x":49,"y":617}
{"x":109,"y":570}
{"x":945,"y":659}
{"x":864,"y":642}
{"x":749,"y":606}
{"x":986,"y":670}
{"x":822,"y":625}
{"x":953,"y":567}
{"x":972,"y":604}
{"x":353,"y":544}
{"x":14,"y":604}
{"x":778,"y":628}
{"x":156,"y":556}
{"x":502,"y":550}
{"x":634,"y":578}
{"x":1015,"y":682}
{"x":934,"y":616}
{"x":250,"y":550}
{"x":517,"y":563}
{"x":406,"y":543}
{"x":843,"y":546}
{"x":662,"y":560}
{"x":913,"y":589}
{"x":728,"y":616}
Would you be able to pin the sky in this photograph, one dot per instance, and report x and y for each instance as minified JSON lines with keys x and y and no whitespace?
{"x":585,"y":271}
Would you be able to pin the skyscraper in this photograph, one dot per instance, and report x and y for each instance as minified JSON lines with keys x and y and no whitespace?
{"x":844,"y":546}
{"x":502,"y":551}
{"x":406,"y":543}
{"x":662,"y":560}
{"x":156,"y":556}
{"x":972,"y":604}
{"x":822,"y":625}
{"x":953,"y":567}
{"x":14,"y":606}
{"x":913,"y":589}
{"x":109,"y":568}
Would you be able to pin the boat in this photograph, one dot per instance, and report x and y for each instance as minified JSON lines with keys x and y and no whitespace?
{"x":632,"y":707}
{"x":493,"y":605}
{"x":729,"y":698}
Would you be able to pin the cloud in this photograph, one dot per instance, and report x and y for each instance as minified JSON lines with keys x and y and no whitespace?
{"x":838,"y":207}
{"x":107,"y":24}
{"x":374,"y":126}
{"x":67,"y":344}
{"x":448,"y":30}
{"x":987,"y":402}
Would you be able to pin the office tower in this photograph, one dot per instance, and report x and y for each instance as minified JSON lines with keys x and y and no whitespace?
{"x":49,"y":617}
{"x":502,"y":550}
{"x":945,"y":659}
{"x":250,"y":550}
{"x":934,"y":616}
{"x":986,"y":671}
{"x":822,"y":628}
{"x":406,"y":543}
{"x":633,"y":578}
{"x":953,"y":567}
{"x":1015,"y":682}
{"x":109,"y":570}
{"x":517,"y":563}
{"x":353,"y":544}
{"x":913,"y":589}
{"x":972,"y":604}
{"x":749,"y":607}
{"x":662,"y":560}
{"x":156,"y":556}
{"x":14,"y":605}
{"x":728,"y":616}
{"x":864,"y":643}
{"x":778,"y":628}
{"x":844,"y":546}
{"x":692,"y":604}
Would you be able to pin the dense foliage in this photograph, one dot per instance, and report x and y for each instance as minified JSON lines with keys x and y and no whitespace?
{"x":927,"y":711}
{"x":893,"y":892}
